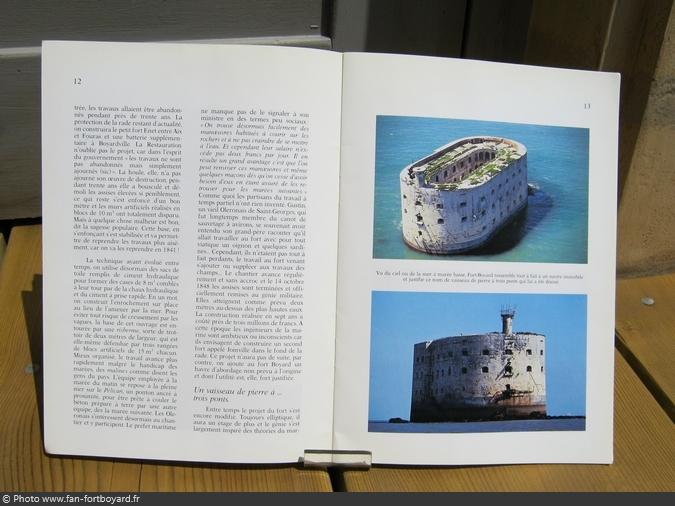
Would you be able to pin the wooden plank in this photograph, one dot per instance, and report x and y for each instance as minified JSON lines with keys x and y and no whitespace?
{"x":23,"y":464}
{"x":496,"y":30}
{"x":646,"y":332}
{"x":349,"y":24}
{"x":20,"y":130}
{"x":433,"y":27}
{"x":644,"y":458}
{"x":632,"y":48}
{"x":214,"y":478}
{"x":568,"y":34}
{"x":28,"y":22}
{"x":646,"y":213}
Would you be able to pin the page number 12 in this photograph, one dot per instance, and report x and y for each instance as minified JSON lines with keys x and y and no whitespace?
{"x":77,"y":80}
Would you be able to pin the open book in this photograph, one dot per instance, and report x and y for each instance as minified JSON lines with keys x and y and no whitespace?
{"x":250,"y":252}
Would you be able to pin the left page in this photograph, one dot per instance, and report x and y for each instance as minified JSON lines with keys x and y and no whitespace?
{"x":190,"y":200}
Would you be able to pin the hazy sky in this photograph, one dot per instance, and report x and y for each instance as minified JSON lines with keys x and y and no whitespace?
{"x":401,"y":319}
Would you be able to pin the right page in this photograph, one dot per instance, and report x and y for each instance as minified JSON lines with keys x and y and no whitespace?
{"x":475,"y":319}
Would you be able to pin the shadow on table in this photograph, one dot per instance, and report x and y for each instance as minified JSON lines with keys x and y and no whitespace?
{"x":32,"y":310}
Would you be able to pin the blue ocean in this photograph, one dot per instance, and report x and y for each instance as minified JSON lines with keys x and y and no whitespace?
{"x":553,"y":227}
{"x":551,"y":424}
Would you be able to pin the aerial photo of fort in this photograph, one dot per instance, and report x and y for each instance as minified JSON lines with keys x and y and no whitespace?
{"x":493,"y":376}
{"x":456,"y":198}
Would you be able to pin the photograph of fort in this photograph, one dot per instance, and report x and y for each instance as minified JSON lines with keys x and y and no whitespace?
{"x":462,"y":189}
{"x":443,"y":362}
{"x":459,"y":196}
{"x":498,"y":375}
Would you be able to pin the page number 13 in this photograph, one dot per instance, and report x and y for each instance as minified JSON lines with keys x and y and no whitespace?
{"x":77,"y":80}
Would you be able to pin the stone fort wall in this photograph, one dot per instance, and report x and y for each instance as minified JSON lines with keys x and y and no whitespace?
{"x":478,"y":377}
{"x":451,"y":221}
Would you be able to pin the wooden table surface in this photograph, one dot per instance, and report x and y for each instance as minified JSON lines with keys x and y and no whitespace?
{"x":644,"y":433}
{"x":645,"y":328}
{"x":24,"y":466}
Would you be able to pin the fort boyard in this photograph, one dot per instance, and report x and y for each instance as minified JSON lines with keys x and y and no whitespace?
{"x":459,"y":196}
{"x":494,"y":376}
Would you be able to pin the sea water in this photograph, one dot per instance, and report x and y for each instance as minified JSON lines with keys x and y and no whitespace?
{"x":550,"y":424}
{"x":553,"y":227}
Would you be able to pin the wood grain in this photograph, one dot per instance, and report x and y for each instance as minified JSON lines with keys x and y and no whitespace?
{"x":20,"y":133}
{"x":644,"y":458}
{"x":496,"y":30}
{"x":568,"y":34}
{"x":632,"y":48}
{"x":23,"y":464}
{"x":647,"y":333}
{"x":646,"y":215}
{"x":28,"y":22}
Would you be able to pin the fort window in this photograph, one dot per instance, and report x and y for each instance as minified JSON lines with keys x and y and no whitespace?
{"x":419,"y":232}
{"x":422,"y":359}
{"x":440,"y":221}
{"x":486,"y":352}
{"x":542,"y":368}
{"x":405,"y":211}
{"x":508,"y":352}
{"x":445,"y":173}
{"x":528,"y":352}
{"x":541,"y":352}
{"x":439,"y":206}
{"x":450,"y":354}
{"x":463,"y":218}
{"x":405,"y":197}
{"x":437,"y":178}
{"x":529,"y":368}
{"x":462,"y":204}
{"x":508,"y":371}
{"x":463,"y":370}
{"x":484,"y":227}
{"x":418,"y":203}
{"x":492,"y":192}
{"x":482,"y":213}
{"x":485,"y":369}
{"x":465,"y":352}
{"x":449,"y":371}
{"x":454,"y":169}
